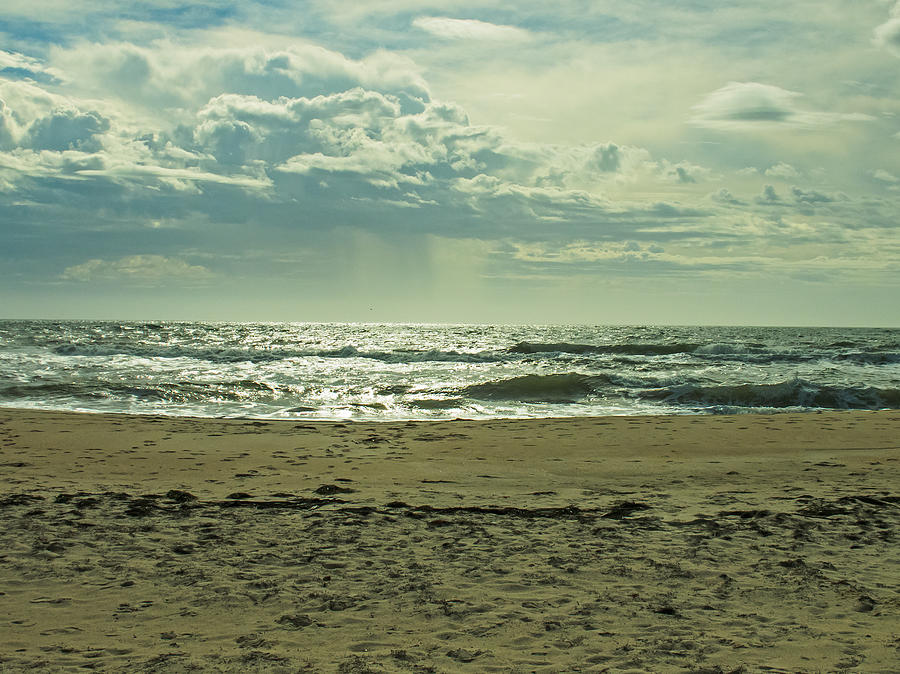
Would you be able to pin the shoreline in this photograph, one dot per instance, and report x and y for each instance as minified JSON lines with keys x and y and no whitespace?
{"x":652,"y":543}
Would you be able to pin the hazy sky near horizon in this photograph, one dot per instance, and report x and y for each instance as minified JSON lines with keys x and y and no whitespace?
{"x":588,"y":162}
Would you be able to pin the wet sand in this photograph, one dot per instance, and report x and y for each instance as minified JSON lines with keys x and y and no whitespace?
{"x":660,"y":544}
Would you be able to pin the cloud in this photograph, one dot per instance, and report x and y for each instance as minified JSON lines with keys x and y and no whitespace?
{"x":169,"y":76}
{"x":885,"y":176}
{"x":782,"y":170}
{"x":887,"y":35}
{"x":724,"y":196}
{"x":751,"y":105}
{"x":7,"y":126}
{"x":684,"y":172}
{"x":584,"y":251}
{"x":23,"y":103}
{"x":237,"y":129}
{"x":810,"y":196}
{"x":469,"y":29}
{"x":140,"y":172}
{"x":137,"y":268}
{"x":67,"y":129}
{"x":20,"y":66}
{"x":375,"y":137}
{"x":768,"y":196}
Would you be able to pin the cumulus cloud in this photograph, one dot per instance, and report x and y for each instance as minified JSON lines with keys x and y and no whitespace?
{"x":171,"y":76}
{"x":749,"y":105}
{"x":768,"y":196}
{"x":352,"y":155}
{"x":20,"y":66}
{"x":67,"y":129}
{"x":885,"y":176}
{"x":138,"y":268}
{"x":724,"y":196}
{"x":237,"y":129}
{"x":469,"y":29}
{"x":25,"y":102}
{"x":810,"y":196}
{"x":684,"y":172}
{"x":385,"y":143}
{"x":782,"y":170}
{"x":887,"y":35}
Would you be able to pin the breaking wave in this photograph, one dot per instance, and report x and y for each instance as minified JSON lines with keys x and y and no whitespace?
{"x":237,"y":355}
{"x":567,"y":387}
{"x":625,"y":349}
{"x":793,"y":393}
{"x":166,"y":392}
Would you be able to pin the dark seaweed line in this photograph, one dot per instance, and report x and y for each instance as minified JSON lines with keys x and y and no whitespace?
{"x":183,"y":502}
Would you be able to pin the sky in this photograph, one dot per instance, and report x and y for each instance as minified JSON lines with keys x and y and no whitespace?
{"x":599,"y":162}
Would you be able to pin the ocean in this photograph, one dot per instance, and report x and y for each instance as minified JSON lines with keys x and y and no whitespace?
{"x":386,"y":372}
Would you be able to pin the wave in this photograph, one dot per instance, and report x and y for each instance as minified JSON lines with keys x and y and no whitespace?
{"x":625,"y":353}
{"x":869,"y":358}
{"x":625,"y":349}
{"x":169,"y":392}
{"x":793,"y":393}
{"x":752,"y":352}
{"x":566,"y":387}
{"x":238,"y":355}
{"x":436,"y":403}
{"x":719,"y":349}
{"x":81,"y":391}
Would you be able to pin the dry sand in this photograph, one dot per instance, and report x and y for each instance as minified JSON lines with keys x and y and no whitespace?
{"x":660,"y":544}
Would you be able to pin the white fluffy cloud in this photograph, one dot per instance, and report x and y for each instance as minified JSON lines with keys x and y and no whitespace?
{"x":22,"y":66}
{"x":469,"y":29}
{"x":137,"y":268}
{"x":885,"y":176}
{"x":750,"y":105}
{"x":782,"y":170}
{"x":171,"y":77}
{"x":888,"y":34}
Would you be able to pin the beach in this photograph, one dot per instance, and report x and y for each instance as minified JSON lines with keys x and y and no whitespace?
{"x":705,"y":543}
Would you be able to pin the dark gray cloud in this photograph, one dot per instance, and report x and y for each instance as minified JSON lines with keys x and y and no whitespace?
{"x":768,"y":196}
{"x":810,"y":196}
{"x":607,"y":157}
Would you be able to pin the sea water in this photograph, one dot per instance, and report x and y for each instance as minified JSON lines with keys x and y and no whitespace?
{"x":393,"y":372}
